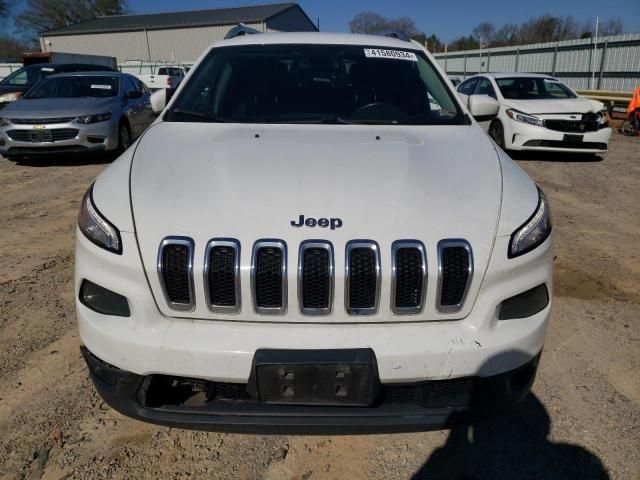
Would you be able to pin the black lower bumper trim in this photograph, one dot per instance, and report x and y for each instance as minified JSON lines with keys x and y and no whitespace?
{"x":47,"y":151}
{"x":566,"y":144}
{"x":202,"y":405}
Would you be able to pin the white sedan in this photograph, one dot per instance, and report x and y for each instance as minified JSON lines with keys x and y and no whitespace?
{"x":539,"y":112}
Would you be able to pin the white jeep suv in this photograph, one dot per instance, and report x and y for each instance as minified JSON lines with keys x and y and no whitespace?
{"x":314,"y":236}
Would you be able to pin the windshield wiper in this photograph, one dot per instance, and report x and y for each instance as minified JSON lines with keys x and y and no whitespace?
{"x":209,"y":117}
{"x":307,"y":121}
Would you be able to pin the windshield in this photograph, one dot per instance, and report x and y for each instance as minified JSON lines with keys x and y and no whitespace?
{"x":27,"y":76}
{"x":534,"y":88}
{"x":316,"y":84}
{"x":75,"y":86}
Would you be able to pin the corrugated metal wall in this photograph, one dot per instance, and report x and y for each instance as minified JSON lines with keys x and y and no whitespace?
{"x":182,"y":45}
{"x":575,"y":62}
{"x":177,"y":45}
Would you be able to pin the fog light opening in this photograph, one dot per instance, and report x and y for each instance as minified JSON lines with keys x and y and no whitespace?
{"x":524,"y":304}
{"x":94,"y":139}
{"x":102,"y":300}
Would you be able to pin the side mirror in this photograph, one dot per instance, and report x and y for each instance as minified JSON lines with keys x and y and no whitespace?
{"x":483,"y":107}
{"x":160,"y":98}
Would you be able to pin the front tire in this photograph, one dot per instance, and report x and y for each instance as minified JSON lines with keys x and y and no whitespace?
{"x":628,"y":128}
{"x":124,"y":137}
{"x":496,"y":132}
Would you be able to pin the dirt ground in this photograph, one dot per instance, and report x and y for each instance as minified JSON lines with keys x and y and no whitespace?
{"x":581,"y":421}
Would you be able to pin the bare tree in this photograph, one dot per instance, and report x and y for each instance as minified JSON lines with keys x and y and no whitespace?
{"x":11,"y":48}
{"x":484,"y":33}
{"x":545,"y":28}
{"x":612,"y":26}
{"x":367,"y":22}
{"x":40,"y":15}
{"x":506,"y":35}
{"x":371,"y":22}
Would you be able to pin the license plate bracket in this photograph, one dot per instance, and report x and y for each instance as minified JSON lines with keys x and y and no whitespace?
{"x":315,"y":377}
{"x":573,"y":138}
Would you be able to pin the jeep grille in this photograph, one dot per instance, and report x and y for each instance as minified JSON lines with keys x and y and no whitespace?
{"x":455,"y":264}
{"x":315,"y":276}
{"x":175,"y":269}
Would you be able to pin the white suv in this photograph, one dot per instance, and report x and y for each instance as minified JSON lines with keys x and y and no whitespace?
{"x":314,"y":236}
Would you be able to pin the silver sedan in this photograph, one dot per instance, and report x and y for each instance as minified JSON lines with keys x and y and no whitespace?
{"x":75,"y":113}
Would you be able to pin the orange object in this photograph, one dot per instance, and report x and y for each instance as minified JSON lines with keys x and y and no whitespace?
{"x":635,"y":101}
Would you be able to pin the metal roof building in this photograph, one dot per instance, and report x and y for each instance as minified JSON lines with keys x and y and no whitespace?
{"x":174,"y":37}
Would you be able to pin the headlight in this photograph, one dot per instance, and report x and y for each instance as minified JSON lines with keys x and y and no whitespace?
{"x":4,"y":122}
{"x":10,"y":97}
{"x":524,"y":118}
{"x":100,"y":117}
{"x":603,"y":118}
{"x":534,"y":231}
{"x":97,"y":228}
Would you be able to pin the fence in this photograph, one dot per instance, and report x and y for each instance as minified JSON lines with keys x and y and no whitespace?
{"x":133,"y":67}
{"x":613,"y":63}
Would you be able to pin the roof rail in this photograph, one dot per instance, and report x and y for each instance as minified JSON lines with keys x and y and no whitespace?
{"x":394,"y":34}
{"x":240,"y":29}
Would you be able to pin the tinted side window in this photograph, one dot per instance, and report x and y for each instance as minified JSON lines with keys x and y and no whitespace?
{"x":128,"y":86}
{"x":139,"y":86}
{"x":485,"y":88}
{"x":468,"y":87}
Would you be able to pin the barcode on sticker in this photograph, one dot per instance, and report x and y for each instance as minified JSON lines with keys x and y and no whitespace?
{"x":102,"y":87}
{"x":393,"y":54}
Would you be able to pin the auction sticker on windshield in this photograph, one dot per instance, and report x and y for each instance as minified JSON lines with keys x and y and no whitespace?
{"x":393,"y":54}
{"x":102,"y":87}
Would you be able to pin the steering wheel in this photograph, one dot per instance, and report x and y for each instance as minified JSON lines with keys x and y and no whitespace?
{"x":379,"y":110}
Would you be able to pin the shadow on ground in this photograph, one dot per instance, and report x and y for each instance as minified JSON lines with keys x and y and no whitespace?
{"x":512,"y":446}
{"x":75,"y":160}
{"x":554,"y":156}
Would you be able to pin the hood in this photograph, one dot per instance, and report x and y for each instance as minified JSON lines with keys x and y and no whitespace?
{"x":566,"y":106}
{"x":58,"y":107}
{"x":249,"y":182}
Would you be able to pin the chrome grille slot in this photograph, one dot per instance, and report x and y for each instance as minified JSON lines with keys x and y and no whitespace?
{"x":40,"y":121}
{"x":60,"y":134}
{"x":175,"y":271}
{"x":269,"y":277}
{"x":455,"y":270}
{"x":408,"y":277}
{"x":222,"y":275}
{"x":315,"y":277}
{"x":362,"y":277}
{"x":43,"y":135}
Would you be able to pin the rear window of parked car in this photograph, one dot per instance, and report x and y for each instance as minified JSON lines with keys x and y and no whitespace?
{"x":533,"y":88}
{"x":75,"y":86}
{"x":174,"y":72}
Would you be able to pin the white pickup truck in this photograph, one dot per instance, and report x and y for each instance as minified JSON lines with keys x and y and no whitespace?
{"x":165,"y":77}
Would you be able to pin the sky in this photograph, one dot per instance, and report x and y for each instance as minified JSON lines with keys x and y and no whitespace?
{"x":448,"y":19}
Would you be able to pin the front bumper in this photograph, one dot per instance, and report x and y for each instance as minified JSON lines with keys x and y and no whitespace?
{"x":419,"y":406}
{"x":68,"y":137}
{"x":521,"y":136}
